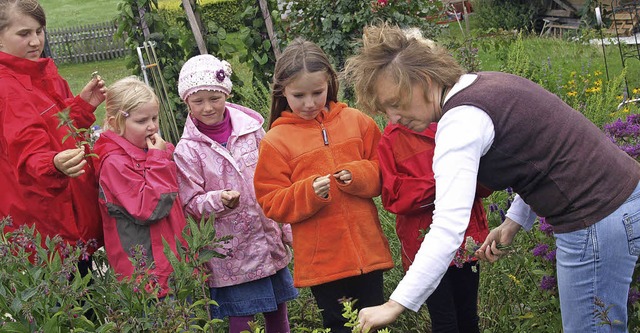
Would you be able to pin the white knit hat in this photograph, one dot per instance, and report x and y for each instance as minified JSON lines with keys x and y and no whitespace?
{"x":204,"y":72}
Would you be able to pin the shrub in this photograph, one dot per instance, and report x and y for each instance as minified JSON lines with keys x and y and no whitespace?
{"x":223,"y":13}
{"x":508,"y":14}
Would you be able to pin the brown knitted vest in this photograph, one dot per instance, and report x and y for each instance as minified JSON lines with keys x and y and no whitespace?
{"x":559,"y":162}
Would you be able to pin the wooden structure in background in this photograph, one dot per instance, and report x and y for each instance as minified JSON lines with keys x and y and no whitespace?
{"x":86,"y":43}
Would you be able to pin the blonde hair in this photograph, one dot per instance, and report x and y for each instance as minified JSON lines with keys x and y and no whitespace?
{"x":298,"y":57}
{"x":405,"y":57}
{"x":123,"y":98}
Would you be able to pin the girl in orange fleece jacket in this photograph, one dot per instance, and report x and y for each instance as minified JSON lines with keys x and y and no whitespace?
{"x":318,"y":170}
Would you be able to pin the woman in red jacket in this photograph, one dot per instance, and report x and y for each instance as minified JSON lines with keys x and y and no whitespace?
{"x":44,"y":181}
{"x":409,"y":190}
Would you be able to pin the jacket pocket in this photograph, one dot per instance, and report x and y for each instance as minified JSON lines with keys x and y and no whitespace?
{"x":632,"y":227}
{"x":250,"y":159}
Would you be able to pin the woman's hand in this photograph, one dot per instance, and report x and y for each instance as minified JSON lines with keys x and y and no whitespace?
{"x":500,"y":236}
{"x":379,"y":316}
{"x":321,"y":186}
{"x":155,"y":141}
{"x":70,"y":162}
{"x":230,"y":199}
{"x":94,"y":92}
{"x":343,"y":176}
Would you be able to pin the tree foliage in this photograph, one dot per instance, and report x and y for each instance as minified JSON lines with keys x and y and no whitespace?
{"x":337,"y":30}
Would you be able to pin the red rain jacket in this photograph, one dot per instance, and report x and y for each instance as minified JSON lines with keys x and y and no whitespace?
{"x":409,"y":189}
{"x":33,"y":191}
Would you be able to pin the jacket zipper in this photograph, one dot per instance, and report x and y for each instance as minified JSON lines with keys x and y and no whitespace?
{"x":325,"y":137}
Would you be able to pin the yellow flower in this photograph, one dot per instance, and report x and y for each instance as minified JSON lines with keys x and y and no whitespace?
{"x":597,"y":73}
{"x":573,"y":73}
{"x":619,"y":97}
{"x":596,"y":89}
{"x":598,"y":82}
{"x":513,"y":278}
{"x":571,"y":83}
{"x":572,"y":94}
{"x":636,"y":91}
{"x":626,"y":110}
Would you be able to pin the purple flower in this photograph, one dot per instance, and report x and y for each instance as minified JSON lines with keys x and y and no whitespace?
{"x":551,"y":255}
{"x":493,"y":207}
{"x":548,"y":283}
{"x":625,"y":134}
{"x":545,"y":227}
{"x":220,"y":75}
{"x":540,"y":250}
{"x":634,"y":296}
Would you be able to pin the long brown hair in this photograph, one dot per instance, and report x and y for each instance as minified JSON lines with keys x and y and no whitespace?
{"x":299,"y":56}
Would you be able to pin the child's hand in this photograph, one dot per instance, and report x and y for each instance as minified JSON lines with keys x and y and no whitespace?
{"x":343,"y":176}
{"x":70,"y":162}
{"x":155,"y":141}
{"x":230,"y":199}
{"x":321,"y":186}
{"x":94,"y":92}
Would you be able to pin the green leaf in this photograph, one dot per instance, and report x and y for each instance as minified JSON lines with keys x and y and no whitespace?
{"x":14,"y":327}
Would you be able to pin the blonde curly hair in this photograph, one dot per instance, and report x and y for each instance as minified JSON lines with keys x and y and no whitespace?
{"x":402,"y":55}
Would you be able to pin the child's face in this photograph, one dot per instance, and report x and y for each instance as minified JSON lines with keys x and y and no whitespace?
{"x":307,"y":94}
{"x":207,"y":106}
{"x":23,"y":37}
{"x":415,"y":115}
{"x":141,"y":124}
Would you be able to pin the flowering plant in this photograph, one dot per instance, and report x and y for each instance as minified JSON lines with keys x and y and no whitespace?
{"x":43,"y":290}
{"x":625,"y":134}
{"x":82,"y":136}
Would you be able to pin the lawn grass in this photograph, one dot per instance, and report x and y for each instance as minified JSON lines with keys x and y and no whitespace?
{"x":564,"y":55}
{"x":78,"y":75}
{"x":70,"y":13}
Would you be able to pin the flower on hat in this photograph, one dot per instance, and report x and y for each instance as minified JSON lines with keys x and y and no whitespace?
{"x":204,"y":72}
{"x":220,"y":75}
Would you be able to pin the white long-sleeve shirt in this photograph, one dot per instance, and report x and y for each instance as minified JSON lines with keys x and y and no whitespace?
{"x":464,"y":135}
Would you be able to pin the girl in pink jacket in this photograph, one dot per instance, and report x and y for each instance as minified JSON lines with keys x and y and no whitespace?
{"x":138,"y":193}
{"x":216,"y":159}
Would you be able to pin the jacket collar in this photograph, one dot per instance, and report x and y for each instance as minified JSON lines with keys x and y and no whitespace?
{"x":429,"y":132}
{"x":243,"y":121}
{"x":113,"y":141}
{"x":25,"y":70}
{"x":288,"y":117}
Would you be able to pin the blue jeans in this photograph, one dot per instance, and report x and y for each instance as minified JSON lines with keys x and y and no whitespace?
{"x":595,"y":266}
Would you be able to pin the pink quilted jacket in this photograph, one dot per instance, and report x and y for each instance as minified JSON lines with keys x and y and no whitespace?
{"x":206,"y":168}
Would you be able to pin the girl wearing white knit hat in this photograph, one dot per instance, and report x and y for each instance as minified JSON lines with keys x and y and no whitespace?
{"x":216,"y":159}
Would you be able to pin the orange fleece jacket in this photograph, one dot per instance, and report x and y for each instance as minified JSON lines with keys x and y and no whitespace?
{"x":339,"y":236}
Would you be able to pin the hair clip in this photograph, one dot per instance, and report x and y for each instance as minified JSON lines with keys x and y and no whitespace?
{"x":124,"y":114}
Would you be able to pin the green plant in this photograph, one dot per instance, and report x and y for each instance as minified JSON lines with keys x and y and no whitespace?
{"x":42,"y":290}
{"x":82,"y":136}
{"x":336,"y":31}
{"x":508,"y":15}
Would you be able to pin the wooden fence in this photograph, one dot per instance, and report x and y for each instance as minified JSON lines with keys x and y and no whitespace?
{"x":87,"y":43}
